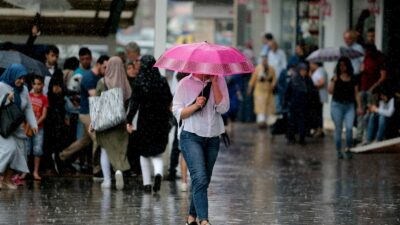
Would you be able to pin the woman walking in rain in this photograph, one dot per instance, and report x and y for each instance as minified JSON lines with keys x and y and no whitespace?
{"x":263,"y":82}
{"x":114,"y":141}
{"x":152,"y":98}
{"x":202,"y":125}
{"x":12,"y":148}
{"x":344,"y":90}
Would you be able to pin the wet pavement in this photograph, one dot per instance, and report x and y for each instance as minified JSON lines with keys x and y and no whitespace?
{"x":258,"y":180}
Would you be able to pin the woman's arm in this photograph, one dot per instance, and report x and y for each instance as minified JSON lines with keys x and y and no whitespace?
{"x":188,"y":111}
{"x":216,"y":90}
{"x":360,"y":110}
{"x":252,"y":81}
{"x":219,"y":84}
{"x":28,"y":111}
{"x":43,"y":117}
{"x":180,"y":109}
{"x":273,"y":74}
{"x":387,"y":112}
{"x":133,"y":105}
{"x":331,"y":85}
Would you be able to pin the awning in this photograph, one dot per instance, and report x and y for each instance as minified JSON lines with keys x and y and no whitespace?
{"x":83,"y":18}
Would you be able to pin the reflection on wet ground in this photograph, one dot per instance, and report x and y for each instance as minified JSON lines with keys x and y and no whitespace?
{"x":258,"y":180}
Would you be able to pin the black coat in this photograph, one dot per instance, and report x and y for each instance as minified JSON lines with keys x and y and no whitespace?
{"x":152,"y":98}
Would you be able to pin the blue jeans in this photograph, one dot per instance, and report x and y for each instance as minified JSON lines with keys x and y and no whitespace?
{"x":340,"y":113}
{"x":34,"y":144}
{"x":372,"y":132}
{"x":200,"y":154}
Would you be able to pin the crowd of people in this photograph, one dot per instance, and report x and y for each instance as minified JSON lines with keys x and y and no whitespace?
{"x":59,"y":136}
{"x":363,"y":94}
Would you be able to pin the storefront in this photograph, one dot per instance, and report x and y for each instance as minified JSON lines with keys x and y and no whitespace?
{"x":319,"y":23}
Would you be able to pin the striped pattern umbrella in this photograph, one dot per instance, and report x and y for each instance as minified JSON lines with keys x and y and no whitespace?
{"x":333,"y":54}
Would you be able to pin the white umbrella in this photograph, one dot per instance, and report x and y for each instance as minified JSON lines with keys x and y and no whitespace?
{"x":333,"y":54}
{"x":40,"y":5}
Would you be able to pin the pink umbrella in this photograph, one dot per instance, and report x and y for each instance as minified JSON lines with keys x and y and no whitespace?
{"x":205,"y":58}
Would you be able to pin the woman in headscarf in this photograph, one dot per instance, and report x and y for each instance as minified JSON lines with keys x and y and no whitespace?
{"x":12,"y":148}
{"x":300,"y":95}
{"x":55,"y":129}
{"x":152,"y":98}
{"x":114,"y":141}
{"x":263,"y":82}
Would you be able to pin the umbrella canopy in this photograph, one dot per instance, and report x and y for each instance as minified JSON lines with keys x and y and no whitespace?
{"x":205,"y":58}
{"x":333,"y":54}
{"x":32,"y":65}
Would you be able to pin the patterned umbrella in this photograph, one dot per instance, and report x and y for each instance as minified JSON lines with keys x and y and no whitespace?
{"x":333,"y":54}
{"x":32,"y":65}
{"x":205,"y":58}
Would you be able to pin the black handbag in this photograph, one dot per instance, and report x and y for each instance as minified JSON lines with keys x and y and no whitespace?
{"x":11,"y":117}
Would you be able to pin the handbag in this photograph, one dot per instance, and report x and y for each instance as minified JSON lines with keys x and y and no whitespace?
{"x":11,"y":118}
{"x":107,"y":110}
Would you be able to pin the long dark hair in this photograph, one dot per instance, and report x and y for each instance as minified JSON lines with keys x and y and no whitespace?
{"x":349,"y":66}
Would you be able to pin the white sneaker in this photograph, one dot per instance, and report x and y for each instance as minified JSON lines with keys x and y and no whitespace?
{"x":119,"y":180}
{"x":106,"y":184}
{"x":184,"y":187}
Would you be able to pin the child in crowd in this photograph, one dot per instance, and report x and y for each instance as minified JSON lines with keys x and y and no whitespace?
{"x":379,"y":116}
{"x":39,"y":105}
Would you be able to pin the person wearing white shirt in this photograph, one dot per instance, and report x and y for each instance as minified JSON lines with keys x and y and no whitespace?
{"x":379,"y":117}
{"x":277,"y":59}
{"x":350,"y":40}
{"x":201,"y":124}
{"x":320,"y":78}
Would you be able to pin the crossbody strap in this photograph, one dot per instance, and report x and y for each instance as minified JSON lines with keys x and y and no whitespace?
{"x":205,"y":92}
{"x":4,"y":100}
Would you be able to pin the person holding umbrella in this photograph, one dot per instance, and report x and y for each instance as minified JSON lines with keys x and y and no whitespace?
{"x":200,"y":100}
{"x":344,"y":90}
{"x":12,"y":148}
{"x":199,"y":143}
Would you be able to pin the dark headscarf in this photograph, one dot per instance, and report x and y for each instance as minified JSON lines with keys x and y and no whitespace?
{"x":56,"y":100}
{"x":13,"y":73}
{"x":146,"y":66}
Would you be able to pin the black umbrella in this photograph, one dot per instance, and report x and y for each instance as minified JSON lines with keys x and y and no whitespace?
{"x":32,"y":65}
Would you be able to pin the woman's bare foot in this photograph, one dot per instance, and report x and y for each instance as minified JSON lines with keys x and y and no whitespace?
{"x":36,"y":176}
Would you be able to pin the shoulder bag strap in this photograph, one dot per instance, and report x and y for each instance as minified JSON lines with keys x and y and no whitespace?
{"x":4,"y":100}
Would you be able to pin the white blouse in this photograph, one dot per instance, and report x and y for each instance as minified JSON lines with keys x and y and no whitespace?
{"x":208,"y":121}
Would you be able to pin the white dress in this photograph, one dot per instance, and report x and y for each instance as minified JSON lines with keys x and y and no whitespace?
{"x":12,"y":149}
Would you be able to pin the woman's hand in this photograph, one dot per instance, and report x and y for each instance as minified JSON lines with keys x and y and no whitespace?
{"x":200,"y":101}
{"x":11,"y":96}
{"x":360,"y":111}
{"x":214,"y":79}
{"x":90,"y":130}
{"x":130,"y":128}
{"x":35,"y":130}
